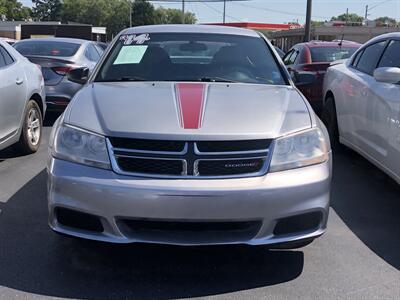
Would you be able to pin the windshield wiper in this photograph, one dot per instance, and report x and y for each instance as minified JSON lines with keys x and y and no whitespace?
{"x":215,"y":79}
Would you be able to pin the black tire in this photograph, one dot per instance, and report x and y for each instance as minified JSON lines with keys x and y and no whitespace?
{"x":329,"y":117}
{"x":31,"y":135}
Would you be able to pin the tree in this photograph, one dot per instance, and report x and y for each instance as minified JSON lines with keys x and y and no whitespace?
{"x":350,"y":18}
{"x":113,"y":14}
{"x":386,"y":21}
{"x":173,"y":16}
{"x":143,"y":13}
{"x":47,"y":10}
{"x":13,"y":10}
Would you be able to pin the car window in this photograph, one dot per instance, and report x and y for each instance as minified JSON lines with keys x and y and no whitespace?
{"x":192,"y":57}
{"x":2,"y":60}
{"x":46,"y":48}
{"x":291,"y":57}
{"x":286,"y":58}
{"x":91,"y":53}
{"x":99,"y":50}
{"x":357,"y":58}
{"x":391,"y":56}
{"x":330,"y":54}
{"x":8,"y":60}
{"x":294,"y":56}
{"x":369,"y":59}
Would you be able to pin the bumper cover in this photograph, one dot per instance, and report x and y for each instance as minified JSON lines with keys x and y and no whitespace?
{"x":113,"y":198}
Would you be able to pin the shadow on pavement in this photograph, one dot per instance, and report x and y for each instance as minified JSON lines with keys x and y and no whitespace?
{"x":368,"y":201}
{"x":9,"y":152}
{"x":34,"y":259}
{"x":50,"y":118}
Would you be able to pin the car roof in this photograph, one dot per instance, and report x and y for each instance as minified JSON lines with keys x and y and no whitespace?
{"x":332,"y":44}
{"x":214,"y":29}
{"x":57,"y":39}
{"x":395,"y":35}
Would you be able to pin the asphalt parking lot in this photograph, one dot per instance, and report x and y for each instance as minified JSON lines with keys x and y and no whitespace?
{"x":358,"y":257}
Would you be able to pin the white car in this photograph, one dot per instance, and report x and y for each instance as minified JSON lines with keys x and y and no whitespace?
{"x":22,"y":101}
{"x":362,"y":103}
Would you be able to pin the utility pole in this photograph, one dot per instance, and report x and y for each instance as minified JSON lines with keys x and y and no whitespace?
{"x":366,"y":14}
{"x":347,"y":16}
{"x":183,"y":11}
{"x":224,"y":11}
{"x":307,"y":30}
{"x":130,"y":13}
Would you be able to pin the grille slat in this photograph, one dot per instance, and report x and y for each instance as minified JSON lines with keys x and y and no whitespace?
{"x":180,"y":159}
{"x":190,"y":232}
{"x":233,"y":146}
{"x":148,"y":145}
{"x":151,"y":166}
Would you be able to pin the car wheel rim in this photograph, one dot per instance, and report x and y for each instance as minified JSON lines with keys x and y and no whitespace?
{"x":34,"y":129}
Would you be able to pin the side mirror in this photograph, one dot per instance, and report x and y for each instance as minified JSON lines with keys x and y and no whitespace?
{"x":304,"y":78}
{"x":387,"y":74}
{"x":79,"y":75}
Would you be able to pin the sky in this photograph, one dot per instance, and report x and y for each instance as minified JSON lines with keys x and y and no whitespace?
{"x":282,"y":11}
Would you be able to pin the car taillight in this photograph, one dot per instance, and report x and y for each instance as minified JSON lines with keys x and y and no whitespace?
{"x":62,"y":70}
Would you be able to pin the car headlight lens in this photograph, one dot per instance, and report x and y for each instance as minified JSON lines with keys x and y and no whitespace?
{"x":81,"y":146}
{"x":299,"y":150}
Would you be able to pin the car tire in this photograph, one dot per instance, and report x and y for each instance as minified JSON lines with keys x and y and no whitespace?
{"x":32,"y":128}
{"x":329,"y":117}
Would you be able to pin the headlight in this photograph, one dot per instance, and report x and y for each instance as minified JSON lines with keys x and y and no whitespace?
{"x":81,"y":146}
{"x":299,"y":150}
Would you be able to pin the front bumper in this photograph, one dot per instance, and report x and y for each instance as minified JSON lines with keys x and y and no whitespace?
{"x":114,"y":199}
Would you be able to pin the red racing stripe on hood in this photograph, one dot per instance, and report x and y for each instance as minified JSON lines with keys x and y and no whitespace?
{"x":190,"y":97}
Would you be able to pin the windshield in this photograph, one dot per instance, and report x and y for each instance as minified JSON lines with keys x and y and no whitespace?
{"x":46,"y":48}
{"x":330,"y":54}
{"x":191,"y":57}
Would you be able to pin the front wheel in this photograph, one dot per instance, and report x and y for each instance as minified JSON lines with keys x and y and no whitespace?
{"x":32,"y":126}
{"x":329,"y":118}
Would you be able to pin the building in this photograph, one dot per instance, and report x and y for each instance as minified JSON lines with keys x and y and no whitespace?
{"x":24,"y":30}
{"x":288,"y":38}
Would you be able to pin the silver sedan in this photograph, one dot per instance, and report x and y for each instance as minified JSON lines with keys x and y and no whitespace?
{"x":57,"y":57}
{"x":190,"y":135}
{"x":22,"y":101}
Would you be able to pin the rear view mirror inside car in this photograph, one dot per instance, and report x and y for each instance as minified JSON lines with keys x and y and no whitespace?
{"x":193,"y":47}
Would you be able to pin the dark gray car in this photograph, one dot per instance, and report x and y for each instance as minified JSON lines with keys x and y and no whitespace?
{"x":57,"y":57}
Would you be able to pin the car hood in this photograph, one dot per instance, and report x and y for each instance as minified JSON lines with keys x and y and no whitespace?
{"x":190,"y":111}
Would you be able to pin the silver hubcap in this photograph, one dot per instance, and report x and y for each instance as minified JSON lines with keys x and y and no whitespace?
{"x":34,"y":129}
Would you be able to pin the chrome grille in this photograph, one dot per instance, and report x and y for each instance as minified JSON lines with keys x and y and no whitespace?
{"x":180,"y":159}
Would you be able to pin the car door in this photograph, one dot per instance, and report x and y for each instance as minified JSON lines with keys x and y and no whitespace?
{"x":12,"y":94}
{"x":356,"y":94}
{"x":383,"y":114}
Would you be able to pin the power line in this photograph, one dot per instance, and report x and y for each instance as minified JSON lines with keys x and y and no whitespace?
{"x":383,"y":2}
{"x":280,"y":11}
{"x":220,"y":12}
